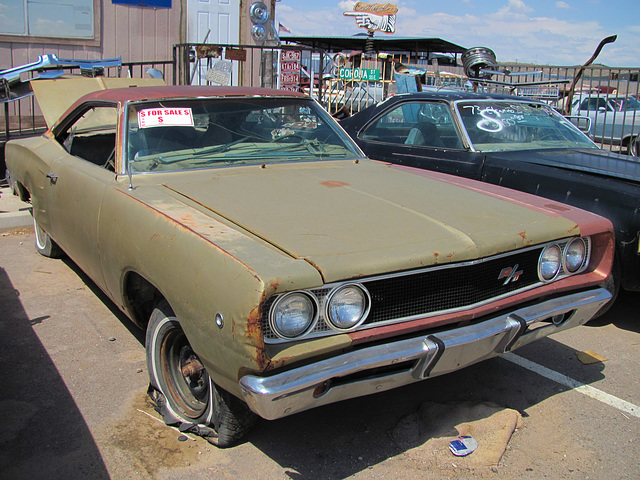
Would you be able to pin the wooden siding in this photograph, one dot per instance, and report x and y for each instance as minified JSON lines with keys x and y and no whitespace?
{"x":136,"y":34}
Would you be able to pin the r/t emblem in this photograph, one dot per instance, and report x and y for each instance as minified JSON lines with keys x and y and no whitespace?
{"x":510,"y":274}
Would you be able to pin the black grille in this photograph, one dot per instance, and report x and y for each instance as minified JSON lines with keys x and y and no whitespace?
{"x":449,"y":288}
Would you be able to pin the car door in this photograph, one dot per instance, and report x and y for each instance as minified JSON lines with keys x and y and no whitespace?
{"x":78,"y":183}
{"x":420,"y":134}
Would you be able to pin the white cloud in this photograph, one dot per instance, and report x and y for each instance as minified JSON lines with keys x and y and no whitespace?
{"x":515,"y":7}
{"x":511,"y":31}
{"x":347,"y":5}
{"x":562,"y":5}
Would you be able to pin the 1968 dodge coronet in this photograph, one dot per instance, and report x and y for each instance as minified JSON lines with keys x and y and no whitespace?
{"x":276,"y":269}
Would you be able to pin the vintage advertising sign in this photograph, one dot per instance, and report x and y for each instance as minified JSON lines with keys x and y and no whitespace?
{"x":290,"y":70}
{"x":379,"y":17}
{"x":165,"y":117}
{"x":368,"y":74}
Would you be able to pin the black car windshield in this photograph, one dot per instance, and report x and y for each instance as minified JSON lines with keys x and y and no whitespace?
{"x":495,"y":126}
{"x":198,"y":133}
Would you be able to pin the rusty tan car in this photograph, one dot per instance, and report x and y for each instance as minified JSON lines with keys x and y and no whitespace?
{"x":276,"y":269}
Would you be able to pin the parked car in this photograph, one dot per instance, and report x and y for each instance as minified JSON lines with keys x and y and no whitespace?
{"x":513,"y":142}
{"x":276,"y":269}
{"x":615,"y":119}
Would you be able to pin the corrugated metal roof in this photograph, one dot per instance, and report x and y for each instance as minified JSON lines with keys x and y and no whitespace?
{"x":379,"y":44}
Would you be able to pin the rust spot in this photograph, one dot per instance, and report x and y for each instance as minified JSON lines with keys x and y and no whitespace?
{"x":436,"y":255}
{"x":334,"y":184}
{"x":555,"y":206}
{"x":254,"y":331}
{"x":523,"y":235}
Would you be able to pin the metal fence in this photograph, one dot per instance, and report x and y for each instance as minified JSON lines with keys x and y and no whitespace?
{"x":345,"y":84}
{"x":22,"y":117}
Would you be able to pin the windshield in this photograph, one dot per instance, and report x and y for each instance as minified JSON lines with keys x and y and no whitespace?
{"x":621,"y":104}
{"x":198,"y":133}
{"x":495,"y":126}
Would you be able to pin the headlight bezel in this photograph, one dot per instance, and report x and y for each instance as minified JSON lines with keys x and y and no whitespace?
{"x":585,"y":255}
{"x":273,"y":321}
{"x":557,"y":270}
{"x":563,"y":247}
{"x":328,"y":317}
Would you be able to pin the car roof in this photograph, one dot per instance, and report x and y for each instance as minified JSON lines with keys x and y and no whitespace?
{"x":122,"y":95}
{"x":454,"y":95}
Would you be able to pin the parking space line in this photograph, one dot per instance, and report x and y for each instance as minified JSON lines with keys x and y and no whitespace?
{"x":587,"y":390}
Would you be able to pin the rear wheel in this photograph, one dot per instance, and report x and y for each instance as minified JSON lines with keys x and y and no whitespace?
{"x":183,"y":392}
{"x":634,"y":146}
{"x":44,"y":244}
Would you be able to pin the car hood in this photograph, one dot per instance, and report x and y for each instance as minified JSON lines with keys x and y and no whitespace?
{"x":599,"y":162}
{"x":56,"y":95}
{"x":351,"y":219}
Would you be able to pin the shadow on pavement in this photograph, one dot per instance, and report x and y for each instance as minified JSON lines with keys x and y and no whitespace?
{"x":43,"y":433}
{"x":343,"y":439}
{"x":623,"y":314}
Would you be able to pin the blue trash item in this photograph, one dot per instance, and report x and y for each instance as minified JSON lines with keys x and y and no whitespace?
{"x":463,"y":445}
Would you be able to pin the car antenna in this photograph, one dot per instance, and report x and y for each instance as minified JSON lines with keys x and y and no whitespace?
{"x":131,"y":187}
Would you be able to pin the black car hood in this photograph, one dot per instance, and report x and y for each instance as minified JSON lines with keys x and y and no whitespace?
{"x":599,"y":162}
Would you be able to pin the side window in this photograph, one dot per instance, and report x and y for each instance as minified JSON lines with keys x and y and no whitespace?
{"x":593,"y":104}
{"x":428,"y":124}
{"x":92,"y":136}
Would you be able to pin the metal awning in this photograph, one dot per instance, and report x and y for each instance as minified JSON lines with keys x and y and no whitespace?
{"x":378,"y":44}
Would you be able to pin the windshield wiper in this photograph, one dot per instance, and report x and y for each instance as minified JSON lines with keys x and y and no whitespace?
{"x":312,"y":146}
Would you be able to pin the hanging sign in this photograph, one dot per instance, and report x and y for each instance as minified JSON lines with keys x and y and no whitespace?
{"x":379,"y":17}
{"x":290,"y":70}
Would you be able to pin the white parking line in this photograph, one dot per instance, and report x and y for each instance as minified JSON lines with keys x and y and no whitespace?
{"x":587,"y":390}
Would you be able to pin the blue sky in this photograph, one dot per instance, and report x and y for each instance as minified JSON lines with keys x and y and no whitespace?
{"x":546,"y":32}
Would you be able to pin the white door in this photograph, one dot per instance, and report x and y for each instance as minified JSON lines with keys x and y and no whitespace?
{"x":212,"y":21}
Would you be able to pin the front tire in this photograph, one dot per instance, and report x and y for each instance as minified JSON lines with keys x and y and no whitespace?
{"x":183,"y":392}
{"x":45,"y":246}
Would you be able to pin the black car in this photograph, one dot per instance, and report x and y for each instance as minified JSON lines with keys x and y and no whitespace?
{"x":514,"y":142}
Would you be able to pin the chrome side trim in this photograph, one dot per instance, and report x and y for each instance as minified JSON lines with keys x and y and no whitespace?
{"x":426,"y":356}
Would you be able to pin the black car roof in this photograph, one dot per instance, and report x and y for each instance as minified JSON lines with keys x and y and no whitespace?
{"x":455,"y":95}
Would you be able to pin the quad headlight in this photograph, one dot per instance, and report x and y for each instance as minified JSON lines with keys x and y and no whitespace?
{"x":559,"y":260}
{"x":293,"y":315}
{"x":550,"y":262}
{"x":342,"y":308}
{"x":347,"y":307}
{"x":575,"y":255}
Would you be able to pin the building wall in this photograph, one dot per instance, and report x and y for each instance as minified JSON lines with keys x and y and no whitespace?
{"x":136,"y":34}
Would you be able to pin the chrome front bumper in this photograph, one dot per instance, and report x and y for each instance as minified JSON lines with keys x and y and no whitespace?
{"x":327,"y":381}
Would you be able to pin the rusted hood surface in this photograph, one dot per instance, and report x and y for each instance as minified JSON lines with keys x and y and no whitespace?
{"x":357,"y":219}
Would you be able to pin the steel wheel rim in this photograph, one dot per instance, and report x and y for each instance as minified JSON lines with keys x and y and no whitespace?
{"x":189,"y":392}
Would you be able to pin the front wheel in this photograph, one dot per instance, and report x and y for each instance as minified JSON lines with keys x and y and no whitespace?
{"x":44,"y":244}
{"x":183,"y":392}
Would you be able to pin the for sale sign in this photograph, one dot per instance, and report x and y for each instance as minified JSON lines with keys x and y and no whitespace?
{"x":165,"y":117}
